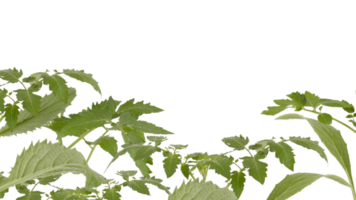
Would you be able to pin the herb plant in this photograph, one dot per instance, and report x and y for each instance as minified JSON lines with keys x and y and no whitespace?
{"x":44,"y":162}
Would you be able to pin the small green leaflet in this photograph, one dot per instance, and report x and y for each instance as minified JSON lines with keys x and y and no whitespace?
{"x":81,"y":76}
{"x":11,"y":75}
{"x":170,"y":163}
{"x":57,"y":85}
{"x":298,"y":99}
{"x":309,"y":144}
{"x":200,"y":190}
{"x":235,"y":142}
{"x":179,"y":146}
{"x":221,"y":165}
{"x":156,"y":182}
{"x":334,"y":103}
{"x":184,"y":168}
{"x":34,"y":195}
{"x":11,"y":115}
{"x":157,"y":139}
{"x":284,"y":153}
{"x":48,"y":179}
{"x":2,"y":99}
{"x":142,"y":166}
{"x":325,"y":118}
{"x":295,"y":183}
{"x":238,"y":182}
{"x":31,"y":102}
{"x":256,"y":168}
{"x":273,"y":110}
{"x":58,"y":123}
{"x":107,"y":143}
{"x":138,"y":186}
{"x":126,"y":174}
{"x":69,"y":194}
{"x":112,"y":193}
{"x":283,"y":102}
{"x":350,"y":109}
{"x":137,"y":108}
{"x":312,"y":100}
{"x":147,"y":127}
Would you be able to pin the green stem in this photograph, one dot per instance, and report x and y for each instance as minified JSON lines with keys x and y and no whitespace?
{"x":23,"y":85}
{"x":191,"y":174}
{"x":2,"y":117}
{"x":249,"y":152}
{"x":11,"y":98}
{"x":80,"y":138}
{"x":34,"y":186}
{"x":92,"y":149}
{"x":228,"y":152}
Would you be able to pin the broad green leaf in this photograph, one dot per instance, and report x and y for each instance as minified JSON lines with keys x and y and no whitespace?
{"x":273,"y":110}
{"x":170,"y":164}
{"x":238,"y":182}
{"x":84,"y":77}
{"x":2,"y":99}
{"x":298,"y":99}
{"x":58,"y":123}
{"x":47,"y":159}
{"x":35,"y":87}
{"x":333,"y":141}
{"x":312,"y":100}
{"x":126,"y":118}
{"x":309,"y":144}
{"x":325,"y":118}
{"x":137,"y":108}
{"x":156,"y":182}
{"x":221,"y":165}
{"x":11,"y":75}
{"x":334,"y":103}
{"x":179,"y":146}
{"x":107,"y":143}
{"x":284,"y":153}
{"x":112,"y":193}
{"x":49,"y":179}
{"x":126,"y":174}
{"x":184,"y":168}
{"x":31,"y":102}
{"x":195,"y":190}
{"x":283,"y":102}
{"x":57,"y":85}
{"x":147,"y":127}
{"x":262,"y":154}
{"x":34,"y":195}
{"x":142,"y":151}
{"x":142,"y":166}
{"x":256,"y":168}
{"x":255,"y":146}
{"x":135,"y":137}
{"x":293,"y":183}
{"x":11,"y":115}
{"x":350,"y":109}
{"x":68,"y":194}
{"x":235,"y":142}
{"x":51,"y":106}
{"x":157,"y":139}
{"x":138,"y":186}
{"x":291,"y":116}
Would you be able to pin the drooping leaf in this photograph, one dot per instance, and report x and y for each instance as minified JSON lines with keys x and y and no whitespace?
{"x":34,"y":195}
{"x":84,"y":77}
{"x":238,"y":182}
{"x":333,"y":141}
{"x":31,"y":102}
{"x":235,"y":142}
{"x":309,"y":144}
{"x":325,"y":118}
{"x":107,"y":143}
{"x":170,"y":164}
{"x":156,"y":182}
{"x":47,"y":159}
{"x":11,"y":115}
{"x":256,"y":168}
{"x":184,"y":168}
{"x":147,"y":127}
{"x":137,"y":108}
{"x":334,"y":103}
{"x":273,"y":110}
{"x":57,"y":85}
{"x":284,"y":153}
{"x":350,"y":109}
{"x":298,"y":99}
{"x":138,"y":186}
{"x":51,"y":106}
{"x":221,"y":165}
{"x":295,"y":183}
{"x":142,"y":166}
{"x":11,"y":75}
{"x":195,"y":190}
{"x":283,"y":102}
{"x":312,"y":100}
{"x":49,"y":179}
{"x":3,"y":93}
{"x":126,"y":174}
{"x":112,"y":193}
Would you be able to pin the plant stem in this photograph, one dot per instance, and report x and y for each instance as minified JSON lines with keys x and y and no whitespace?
{"x":80,"y":138}
{"x":191,"y":174}
{"x":11,"y":98}
{"x":249,"y":152}
{"x":23,"y":85}
{"x":92,"y":149}
{"x":2,"y":117}
{"x":228,"y":152}
{"x":34,"y":186}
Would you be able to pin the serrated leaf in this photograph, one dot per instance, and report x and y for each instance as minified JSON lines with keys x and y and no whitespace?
{"x":68,"y":194}
{"x":333,"y":141}
{"x":157,"y":139}
{"x":309,"y":144}
{"x":58,"y":123}
{"x":57,"y":85}
{"x":51,"y":106}
{"x":126,"y":118}
{"x":47,"y":159}
{"x":2,"y":99}
{"x":11,"y":75}
{"x":107,"y":143}
{"x":283,"y":102}
{"x":137,"y":108}
{"x":273,"y":110}
{"x":142,"y":166}
{"x":170,"y":164}
{"x":256,"y":168}
{"x":156,"y":182}
{"x":11,"y":115}
{"x":195,"y":190}
{"x":221,"y":166}
{"x":83,"y":77}
{"x":126,"y":174}
{"x":179,"y":146}
{"x":34,"y":195}
{"x":298,"y":99}
{"x":294,"y":183}
{"x":112,"y":193}
{"x":312,"y":100}
{"x":184,"y":168}
{"x":284,"y":153}
{"x":147,"y":127}
{"x":138,"y":186}
{"x":235,"y":142}
{"x":238,"y":182}
{"x":31,"y":102}
{"x":325,"y":118}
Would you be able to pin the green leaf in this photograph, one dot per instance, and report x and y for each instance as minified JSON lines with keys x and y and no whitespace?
{"x":112,"y":193}
{"x":256,"y":168}
{"x":126,"y":118}
{"x":238,"y":182}
{"x":57,"y":85}
{"x":262,"y":154}
{"x":333,"y":141}
{"x":157,"y":139}
{"x":31,"y":102}
{"x":2,"y":99}
{"x":142,"y":166}
{"x":138,"y":186}
{"x":273,"y":110}
{"x":309,"y":144}
{"x":137,"y":108}
{"x":34,"y":195}
{"x":195,"y":190}
{"x":64,"y":194}
{"x":11,"y":115}
{"x":81,"y":76}
{"x":2,"y":193}
{"x":126,"y":174}
{"x":51,"y":106}
{"x":58,"y":123}
{"x":291,"y":116}
{"x":283,"y":102}
{"x":284,"y":153}
{"x":156,"y":182}
{"x":294,"y":183}
{"x":235,"y":142}
{"x":35,"y":87}
{"x":49,"y":179}
{"x":147,"y":127}
{"x":170,"y":164}
{"x":298,"y":99}
{"x":184,"y":168}
{"x":178,"y":146}
{"x":107,"y":143}
{"x":312,"y":100}
{"x":11,"y":75}
{"x":325,"y":118}
{"x":221,"y":165}
{"x":334,"y":103}
{"x":47,"y":159}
